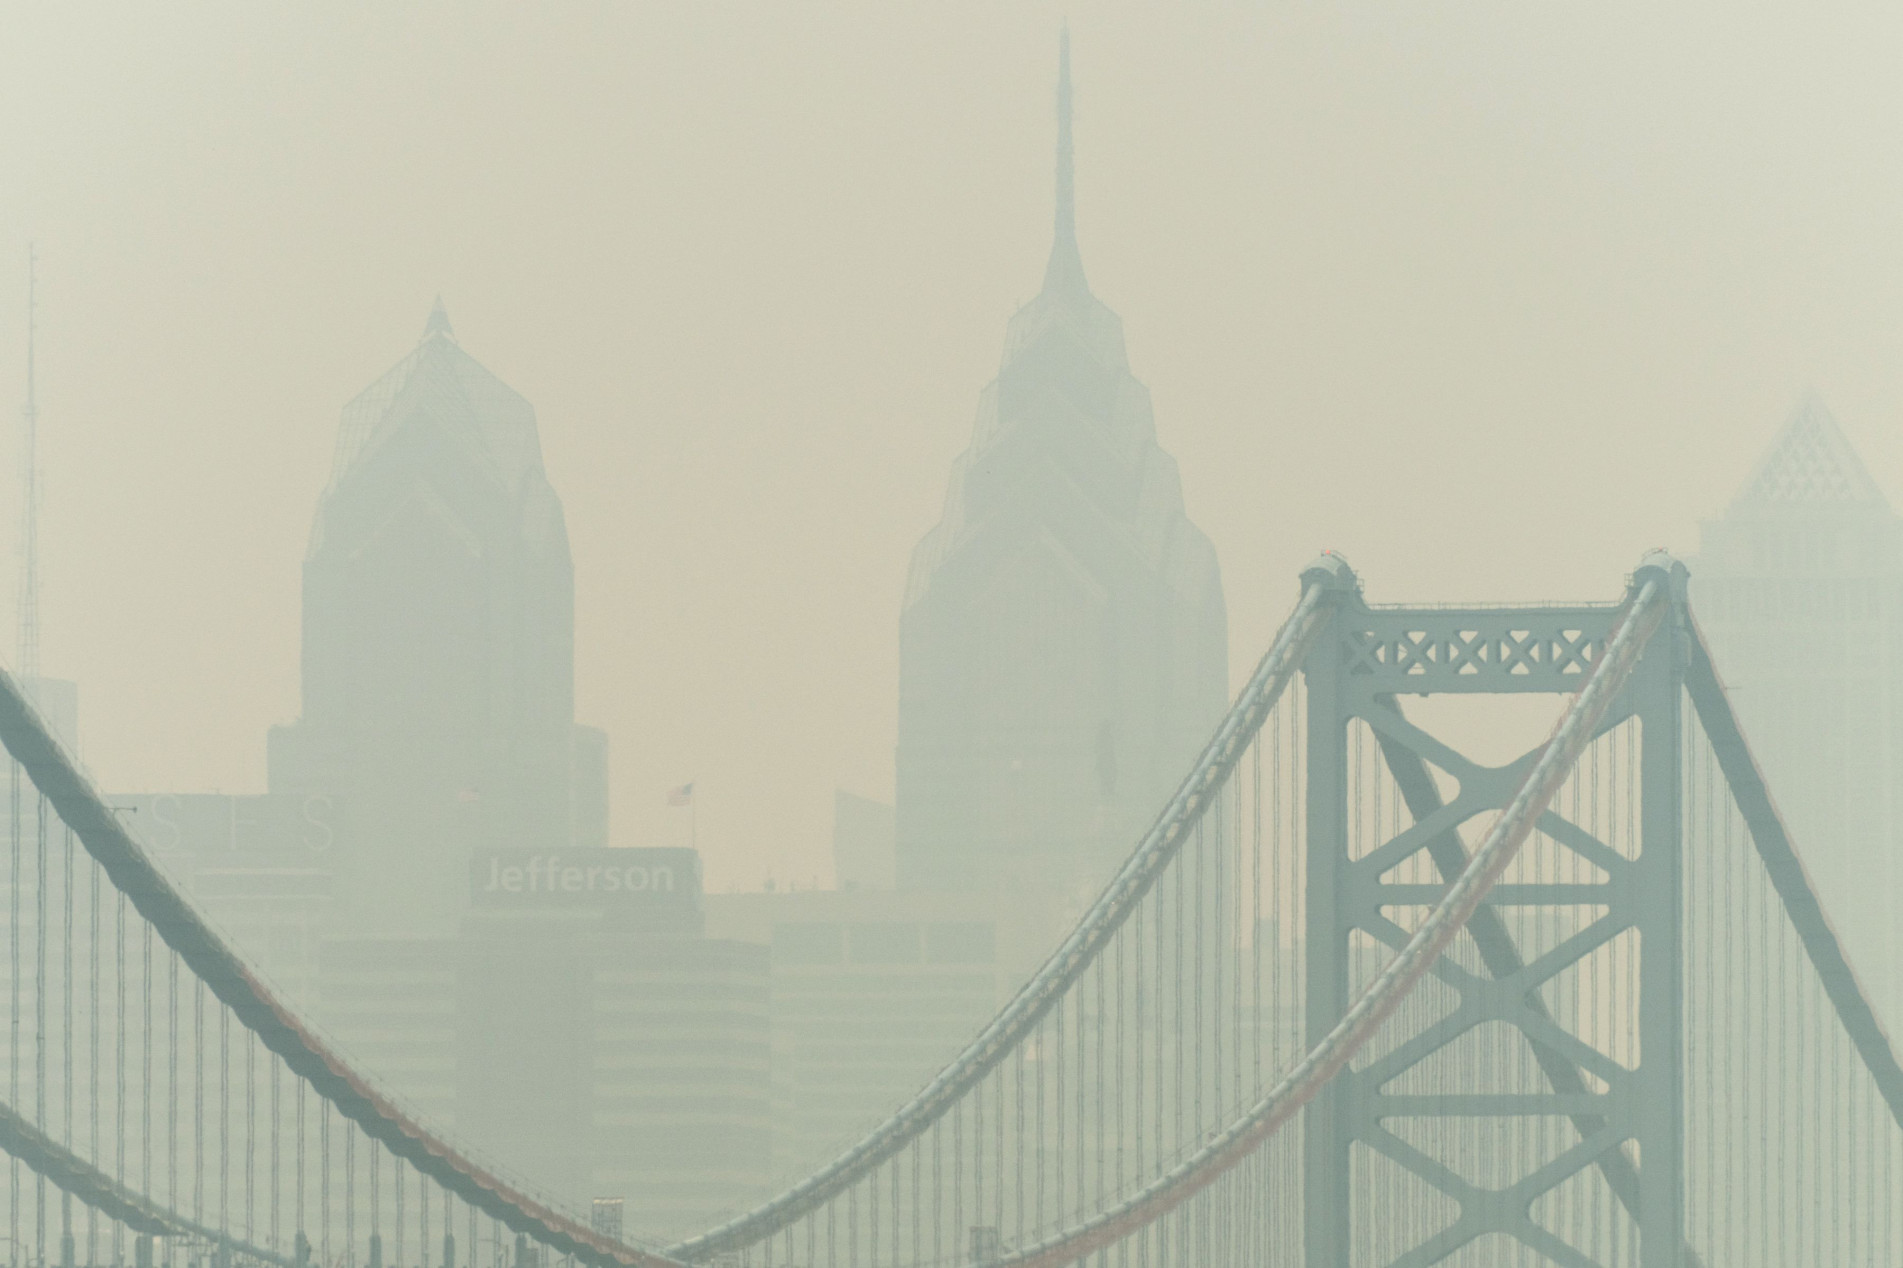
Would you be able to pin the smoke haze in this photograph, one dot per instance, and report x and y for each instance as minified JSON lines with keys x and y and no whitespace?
{"x":1490,"y":298}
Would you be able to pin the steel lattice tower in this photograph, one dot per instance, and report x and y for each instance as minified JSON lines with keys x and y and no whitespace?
{"x":1627,"y":1117}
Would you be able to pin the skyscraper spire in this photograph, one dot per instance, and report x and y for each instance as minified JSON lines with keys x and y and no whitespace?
{"x":1065,"y":272}
{"x":28,"y":652}
{"x":1063,"y":622}
{"x":438,"y":323}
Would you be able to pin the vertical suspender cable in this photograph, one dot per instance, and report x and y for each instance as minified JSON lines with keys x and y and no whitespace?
{"x":39,"y":1019}
{"x":13,"y":1046}
{"x":303,"y":1229}
{"x":119,"y":1052}
{"x":958,"y":1179}
{"x":1138,"y":1052}
{"x":1045,"y":1035}
{"x":397,"y":1178}
{"x":224,"y":1120}
{"x":250,"y":1042}
{"x":92,"y":1063}
{"x":997,"y":1219}
{"x":1181,"y":1066}
{"x":1255,"y":912}
{"x":323,"y":1181}
{"x":66,"y":1037}
{"x":171,"y":1077}
{"x":1019,"y":1176}
{"x":1060,"y":1061}
{"x":1100,"y":1135}
{"x":1119,"y":972}
{"x":1237,"y":908}
{"x":198,"y":1100}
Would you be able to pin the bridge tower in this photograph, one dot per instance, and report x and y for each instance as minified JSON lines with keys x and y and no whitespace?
{"x":1485,"y":1098}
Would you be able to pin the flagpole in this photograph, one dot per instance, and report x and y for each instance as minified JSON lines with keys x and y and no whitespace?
{"x":684,"y":796}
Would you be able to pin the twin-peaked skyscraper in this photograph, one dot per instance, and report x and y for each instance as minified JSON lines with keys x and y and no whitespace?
{"x":1063,"y":640}
{"x":1064,"y":644}
{"x":1063,"y":653}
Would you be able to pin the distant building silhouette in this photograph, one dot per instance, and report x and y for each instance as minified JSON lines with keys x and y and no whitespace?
{"x":862,"y":843}
{"x":1800,"y":589}
{"x":1063,"y":646}
{"x":438,"y":647}
{"x":419,"y":877}
{"x":602,"y":1045}
{"x":871,"y":990}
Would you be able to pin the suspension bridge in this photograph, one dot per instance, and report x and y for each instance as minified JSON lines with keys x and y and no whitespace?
{"x":1356,"y":998}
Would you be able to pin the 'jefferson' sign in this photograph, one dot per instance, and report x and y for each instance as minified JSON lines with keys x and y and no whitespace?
{"x":585,"y":878}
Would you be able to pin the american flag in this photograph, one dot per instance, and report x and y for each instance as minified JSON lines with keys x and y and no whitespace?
{"x":682,"y":796}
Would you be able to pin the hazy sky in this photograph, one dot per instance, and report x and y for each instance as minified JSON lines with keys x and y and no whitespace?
{"x":1489,"y":296}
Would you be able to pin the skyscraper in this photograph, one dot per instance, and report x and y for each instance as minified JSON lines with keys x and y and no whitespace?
{"x":1063,"y":645}
{"x":438,"y":644}
{"x":1799,"y":587}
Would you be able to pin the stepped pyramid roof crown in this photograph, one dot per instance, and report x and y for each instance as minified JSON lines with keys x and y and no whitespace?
{"x":1811,"y":465}
{"x":1070,"y":423}
{"x":440,"y":384}
{"x":438,"y":416}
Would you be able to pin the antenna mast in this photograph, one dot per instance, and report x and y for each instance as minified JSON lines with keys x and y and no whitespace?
{"x":28,"y":660}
